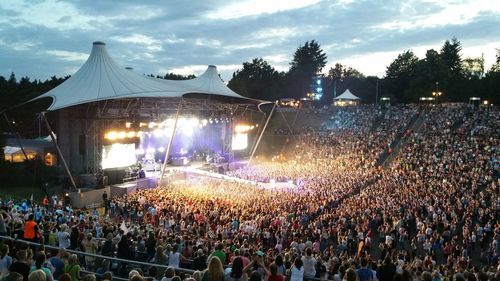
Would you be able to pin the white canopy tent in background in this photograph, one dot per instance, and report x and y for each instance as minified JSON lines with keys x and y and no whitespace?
{"x":101,"y":78}
{"x":347,"y":98}
{"x":347,"y":95}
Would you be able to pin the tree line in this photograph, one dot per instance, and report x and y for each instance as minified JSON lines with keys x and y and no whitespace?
{"x":406,"y":79}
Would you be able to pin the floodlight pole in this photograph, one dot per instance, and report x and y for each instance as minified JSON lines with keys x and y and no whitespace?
{"x":261,"y":134}
{"x":54,"y":140}
{"x":170,"y":141}
{"x":16,"y":134}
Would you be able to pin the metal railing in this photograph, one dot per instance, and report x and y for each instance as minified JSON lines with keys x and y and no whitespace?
{"x":141,"y":264}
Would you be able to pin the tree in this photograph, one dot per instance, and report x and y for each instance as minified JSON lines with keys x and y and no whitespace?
{"x":308,"y":61}
{"x":399,"y":74}
{"x":473,"y":67}
{"x":173,"y":76}
{"x":341,"y":72}
{"x":309,"y":58}
{"x":257,"y":79}
{"x":450,"y":54}
{"x":496,"y":66}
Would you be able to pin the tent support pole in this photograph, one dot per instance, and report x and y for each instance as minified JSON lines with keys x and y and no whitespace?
{"x":258,"y":132}
{"x":261,"y":134}
{"x":170,"y":141}
{"x":18,"y":139}
{"x":54,"y":140}
{"x":287,"y":124}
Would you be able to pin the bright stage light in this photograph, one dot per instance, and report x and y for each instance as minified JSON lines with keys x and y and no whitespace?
{"x":152,"y":125}
{"x":239,"y":141}
{"x":158,"y":133}
{"x":111,"y":135}
{"x":118,"y":155}
{"x":139,"y":151}
{"x":242,"y":128}
{"x":194,"y":122}
{"x":128,"y":125}
{"x":122,"y":135}
{"x":131,"y":134}
{"x":187,"y":131}
{"x":204,"y":122}
{"x":161,"y":149}
{"x":150,"y":150}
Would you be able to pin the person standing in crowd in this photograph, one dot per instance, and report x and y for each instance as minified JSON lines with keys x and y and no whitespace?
{"x":63,"y":237}
{"x":275,"y":275}
{"x":309,"y":264}
{"x":39,"y":265}
{"x":297,"y":271}
{"x":235,"y":272}
{"x":58,"y":263}
{"x":73,"y":268}
{"x":215,"y":271}
{"x":21,"y":264}
{"x":5,"y":260}
{"x":31,"y":231}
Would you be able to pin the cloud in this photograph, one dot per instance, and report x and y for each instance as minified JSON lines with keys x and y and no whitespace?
{"x":149,"y":42}
{"x":47,"y":37}
{"x":245,"y":8}
{"x":68,"y":56}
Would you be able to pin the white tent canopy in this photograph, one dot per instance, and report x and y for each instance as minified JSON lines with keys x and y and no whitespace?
{"x":347,"y":95}
{"x":101,"y":78}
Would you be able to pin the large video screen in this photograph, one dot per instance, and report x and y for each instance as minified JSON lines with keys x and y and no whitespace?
{"x":118,"y":155}
{"x":240,"y":141}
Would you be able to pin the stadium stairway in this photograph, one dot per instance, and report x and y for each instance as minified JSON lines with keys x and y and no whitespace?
{"x":413,"y":126}
{"x":378,"y":120}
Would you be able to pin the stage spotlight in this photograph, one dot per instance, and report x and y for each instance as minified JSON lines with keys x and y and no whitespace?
{"x":161,"y":149}
{"x":152,"y":125}
{"x":111,"y":135}
{"x":158,"y":133}
{"x":139,"y":151}
{"x":211,"y":121}
{"x":122,"y":135}
{"x":128,"y":125}
{"x":150,"y":150}
{"x":187,"y":131}
{"x":131,"y":134}
{"x":194,"y":122}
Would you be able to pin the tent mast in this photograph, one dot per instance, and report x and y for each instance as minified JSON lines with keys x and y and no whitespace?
{"x":170,"y":141}
{"x":261,"y":134}
{"x":54,"y":140}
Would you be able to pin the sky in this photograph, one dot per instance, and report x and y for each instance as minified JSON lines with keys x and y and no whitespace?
{"x":42,"y":38}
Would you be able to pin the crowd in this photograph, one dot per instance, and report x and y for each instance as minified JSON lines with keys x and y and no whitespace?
{"x":433,"y":214}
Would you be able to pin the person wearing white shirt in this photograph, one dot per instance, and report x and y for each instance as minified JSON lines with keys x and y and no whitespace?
{"x":297,"y":271}
{"x":63,"y":237}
